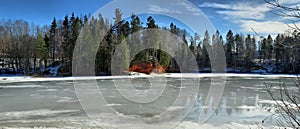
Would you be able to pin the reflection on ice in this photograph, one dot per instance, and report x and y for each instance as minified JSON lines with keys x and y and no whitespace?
{"x":50,"y":103}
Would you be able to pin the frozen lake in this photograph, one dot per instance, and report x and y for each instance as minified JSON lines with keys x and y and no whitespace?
{"x":52,"y":103}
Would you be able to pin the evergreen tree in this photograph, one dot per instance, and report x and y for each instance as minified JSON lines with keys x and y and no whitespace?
{"x":253,"y":49}
{"x":193,"y":44}
{"x":263,"y":49}
{"x":151,"y":23}
{"x":42,"y":50}
{"x":279,"y":48}
{"x":205,"y":48}
{"x":174,"y":29}
{"x":53,"y":40}
{"x":151,"y":37}
{"x":229,"y":48}
{"x":122,"y":31}
{"x":87,"y":45}
{"x":250,"y":49}
{"x":199,"y":55}
{"x":217,"y":41}
{"x":269,"y":47}
{"x":118,"y":24}
{"x":66,"y":38}
{"x":240,"y":48}
{"x":75,"y":30}
{"x":136,"y":27}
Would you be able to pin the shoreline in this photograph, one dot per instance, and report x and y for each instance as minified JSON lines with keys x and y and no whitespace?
{"x":4,"y":79}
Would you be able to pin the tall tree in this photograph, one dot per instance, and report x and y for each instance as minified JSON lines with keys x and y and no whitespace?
{"x":135,"y":29}
{"x":263,"y":49}
{"x":205,"y":49}
{"x":249,"y":52}
{"x":240,"y":48}
{"x":75,"y":30}
{"x":229,"y":48}
{"x":278,"y":48}
{"x":269,"y":48}
{"x":66,"y":39}
{"x":42,"y":50}
{"x":52,"y":39}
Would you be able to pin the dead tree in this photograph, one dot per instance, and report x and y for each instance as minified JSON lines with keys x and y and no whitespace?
{"x":288,"y":98}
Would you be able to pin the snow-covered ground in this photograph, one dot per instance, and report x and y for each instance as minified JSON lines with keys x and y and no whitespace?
{"x":4,"y":79}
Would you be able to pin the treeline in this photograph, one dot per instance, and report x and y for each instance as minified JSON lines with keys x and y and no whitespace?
{"x":32,"y":49}
{"x":279,"y":55}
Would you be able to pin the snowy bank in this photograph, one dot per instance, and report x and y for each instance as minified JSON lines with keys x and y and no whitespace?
{"x":6,"y":79}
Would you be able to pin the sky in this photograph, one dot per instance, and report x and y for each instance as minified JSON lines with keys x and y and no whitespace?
{"x":241,"y":16}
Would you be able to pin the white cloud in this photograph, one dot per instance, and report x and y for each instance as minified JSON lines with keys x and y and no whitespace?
{"x":265,"y":27}
{"x":177,"y":7}
{"x":189,"y":8}
{"x":156,"y":8}
{"x":289,"y":2}
{"x":249,"y":16}
{"x":215,"y":5}
{"x":245,"y":10}
{"x":243,"y":14}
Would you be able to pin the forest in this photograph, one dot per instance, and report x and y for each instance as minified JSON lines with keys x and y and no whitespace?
{"x":29,"y":49}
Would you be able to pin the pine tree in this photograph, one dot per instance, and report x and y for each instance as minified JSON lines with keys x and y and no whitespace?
{"x":118,"y":23}
{"x":205,"y":48}
{"x":249,"y":52}
{"x":174,"y":29}
{"x":240,"y":46}
{"x":229,"y":48}
{"x":52,"y":40}
{"x":151,"y":37}
{"x":122,"y":31}
{"x":151,"y":23}
{"x":42,"y":50}
{"x":239,"y":41}
{"x":75,"y":30}
{"x":269,"y":48}
{"x":88,"y":46}
{"x":135,"y":32}
{"x":192,"y":44}
{"x":217,"y":41}
{"x":278,"y":48}
{"x":199,"y":55}
{"x":66,"y":39}
{"x":253,"y":49}
{"x":263,"y":49}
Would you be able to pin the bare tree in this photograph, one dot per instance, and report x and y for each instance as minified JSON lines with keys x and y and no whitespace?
{"x":287,"y":11}
{"x":287,"y":104}
{"x":288,"y":98}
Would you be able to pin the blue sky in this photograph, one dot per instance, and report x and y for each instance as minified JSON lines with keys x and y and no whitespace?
{"x":239,"y":15}
{"x":43,"y":11}
{"x":244,"y":15}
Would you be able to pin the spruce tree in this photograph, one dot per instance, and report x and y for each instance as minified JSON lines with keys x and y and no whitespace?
{"x":229,"y":48}
{"x":42,"y":50}
{"x":240,"y":49}
{"x":66,"y":39}
{"x":205,"y":48}
{"x":269,"y":48}
{"x":135,"y":32}
{"x":278,"y":48}
{"x":263,"y":49}
{"x":53,"y":40}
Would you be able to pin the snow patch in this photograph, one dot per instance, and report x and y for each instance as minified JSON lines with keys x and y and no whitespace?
{"x":168,"y":75}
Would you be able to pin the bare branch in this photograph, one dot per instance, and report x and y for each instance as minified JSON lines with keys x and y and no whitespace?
{"x":276,"y":3}
{"x":284,"y":11}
